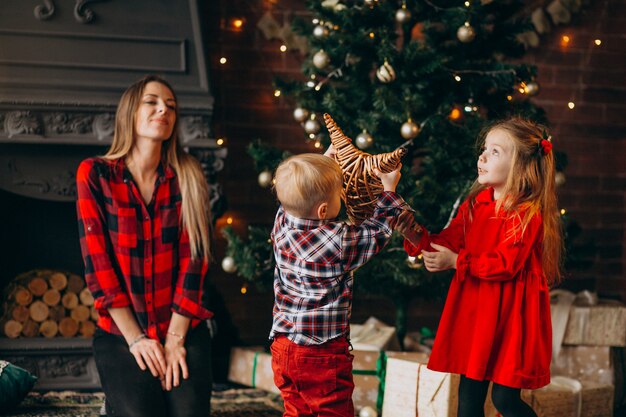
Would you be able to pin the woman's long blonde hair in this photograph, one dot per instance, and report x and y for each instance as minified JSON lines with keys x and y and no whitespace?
{"x":531,"y":185}
{"x":196,"y":217}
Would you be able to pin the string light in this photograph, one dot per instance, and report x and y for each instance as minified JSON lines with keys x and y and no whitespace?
{"x":283,"y":48}
{"x":236,"y":23}
{"x":276,"y":93}
{"x":455,"y":114}
{"x":229,"y":220}
{"x":571,"y":105}
{"x":457,"y":78}
{"x":244,"y":289}
{"x":317,"y":144}
{"x":223,"y":60}
{"x":598,"y":42}
{"x":509,"y":97}
{"x":372,"y":35}
{"x":220,"y":141}
{"x":563,"y":212}
{"x":565,"y":40}
{"x":467,"y":4}
{"x":311,"y":135}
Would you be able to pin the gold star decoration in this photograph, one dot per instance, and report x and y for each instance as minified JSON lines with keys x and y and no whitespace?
{"x":361,"y":186}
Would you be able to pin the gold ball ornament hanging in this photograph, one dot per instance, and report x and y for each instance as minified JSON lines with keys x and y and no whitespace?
{"x":403,"y":15}
{"x":364,"y":140}
{"x":532,"y":88}
{"x":320,"y":31}
{"x":228,"y":264}
{"x":361,"y":185}
{"x":385,"y":73}
{"x":312,"y":126}
{"x":265,"y":179}
{"x":409,"y":129}
{"x":466,"y":33}
{"x":321,"y":59}
{"x":300,"y":114}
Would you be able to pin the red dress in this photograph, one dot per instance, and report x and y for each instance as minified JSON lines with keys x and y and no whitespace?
{"x":496,"y":321}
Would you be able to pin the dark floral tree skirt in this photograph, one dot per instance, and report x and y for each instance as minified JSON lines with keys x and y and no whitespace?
{"x":245,"y":402}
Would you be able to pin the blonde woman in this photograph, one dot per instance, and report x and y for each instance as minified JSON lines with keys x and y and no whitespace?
{"x":143,"y":217}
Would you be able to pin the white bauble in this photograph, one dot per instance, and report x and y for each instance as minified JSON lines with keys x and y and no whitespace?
{"x":532,"y":88}
{"x":320,"y":31}
{"x":364,"y":140}
{"x":300,"y":114}
{"x":385,"y":73}
{"x":466,"y":33}
{"x":312,"y":126}
{"x":403,"y":15}
{"x":265,"y":179}
{"x":321,"y":59}
{"x":228,"y":264}
{"x":368,"y":411}
{"x":409,"y":129}
{"x":559,"y":178}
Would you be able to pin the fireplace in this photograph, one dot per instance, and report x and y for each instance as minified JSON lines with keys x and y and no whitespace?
{"x":63,"y":67}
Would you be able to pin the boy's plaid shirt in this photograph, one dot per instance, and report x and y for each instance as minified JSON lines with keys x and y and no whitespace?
{"x":314,"y":264}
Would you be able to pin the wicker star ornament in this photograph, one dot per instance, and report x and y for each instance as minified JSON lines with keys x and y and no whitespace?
{"x":361,"y":186}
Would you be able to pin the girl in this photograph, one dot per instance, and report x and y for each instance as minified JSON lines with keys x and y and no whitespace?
{"x":144,"y":233}
{"x":505,"y":244}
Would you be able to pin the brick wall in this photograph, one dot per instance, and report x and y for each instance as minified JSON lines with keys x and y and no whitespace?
{"x":592,"y":134}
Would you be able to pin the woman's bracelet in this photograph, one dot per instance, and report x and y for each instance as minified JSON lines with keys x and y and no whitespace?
{"x":137,"y":339}
{"x":180,"y":337}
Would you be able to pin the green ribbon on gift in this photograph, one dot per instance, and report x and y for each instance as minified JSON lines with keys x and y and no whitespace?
{"x":381,"y":364}
{"x":254,"y":362}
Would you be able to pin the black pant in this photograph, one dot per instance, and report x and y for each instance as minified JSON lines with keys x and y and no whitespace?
{"x":507,"y":400}
{"x":131,"y":392}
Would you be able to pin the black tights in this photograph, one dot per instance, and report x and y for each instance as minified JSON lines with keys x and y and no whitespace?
{"x":507,"y":400}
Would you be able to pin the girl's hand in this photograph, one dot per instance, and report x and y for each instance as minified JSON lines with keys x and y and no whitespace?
{"x":175,"y":356}
{"x":407,"y":226}
{"x":390,"y":180}
{"x":441,"y":260}
{"x":149,"y":354}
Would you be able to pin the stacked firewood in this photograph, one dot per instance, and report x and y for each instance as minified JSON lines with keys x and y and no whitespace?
{"x":49,"y":304}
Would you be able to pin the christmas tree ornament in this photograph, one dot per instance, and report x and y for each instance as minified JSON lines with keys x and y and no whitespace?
{"x":466,"y":33}
{"x":321,"y":59}
{"x":300,"y":114}
{"x":385,"y":73}
{"x":409,"y":129}
{"x":364,"y":140}
{"x":414,"y":262}
{"x":361,"y":185}
{"x":320,"y":31}
{"x":265,"y":179}
{"x":368,"y":411}
{"x":312,"y":126}
{"x":403,"y":15}
{"x":228,"y":264}
{"x":559,"y":178}
{"x":532,"y":88}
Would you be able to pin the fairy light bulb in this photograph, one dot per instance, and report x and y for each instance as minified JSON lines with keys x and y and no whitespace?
{"x":237,"y":23}
{"x":455,"y":114}
{"x":457,"y":78}
{"x":283,"y":48}
{"x":223,"y":60}
{"x":372,"y":35}
{"x":229,"y":220}
{"x":598,"y":42}
{"x":563,"y":212}
{"x":244,"y":289}
{"x":509,"y":98}
{"x":220,"y":141}
{"x":571,"y":105}
{"x":565,"y":40}
{"x":276,"y":93}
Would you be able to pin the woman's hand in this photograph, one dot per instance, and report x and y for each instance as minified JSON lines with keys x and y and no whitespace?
{"x":175,"y":357}
{"x":149,"y":354}
{"x":441,"y":260}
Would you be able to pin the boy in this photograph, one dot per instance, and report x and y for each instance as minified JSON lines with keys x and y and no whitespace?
{"x":315,"y":256}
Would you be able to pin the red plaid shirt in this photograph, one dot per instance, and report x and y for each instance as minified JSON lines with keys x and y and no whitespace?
{"x":314,"y":263}
{"x":135,"y":255}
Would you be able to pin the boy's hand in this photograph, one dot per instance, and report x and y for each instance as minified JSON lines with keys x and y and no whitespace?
{"x":331,"y":152}
{"x":390,"y":180}
{"x":409,"y":228}
{"x":441,"y":260}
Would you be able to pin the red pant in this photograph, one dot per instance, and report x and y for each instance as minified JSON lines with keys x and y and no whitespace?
{"x":315,"y":381}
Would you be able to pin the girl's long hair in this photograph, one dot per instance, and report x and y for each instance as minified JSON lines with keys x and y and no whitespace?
{"x":196,"y":217}
{"x":530,"y":186}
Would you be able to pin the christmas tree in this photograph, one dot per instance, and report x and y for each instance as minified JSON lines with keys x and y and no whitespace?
{"x":415,"y":74}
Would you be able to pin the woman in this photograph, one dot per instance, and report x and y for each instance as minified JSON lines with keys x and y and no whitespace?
{"x":144,"y":233}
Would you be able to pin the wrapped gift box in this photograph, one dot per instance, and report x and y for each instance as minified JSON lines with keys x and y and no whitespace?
{"x":561,"y":399}
{"x":411,"y":389}
{"x":599,"y":325}
{"x":252,"y":367}
{"x":584,"y":363}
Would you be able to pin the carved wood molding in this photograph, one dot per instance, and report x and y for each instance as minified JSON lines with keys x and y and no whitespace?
{"x":81,"y":13}
{"x":45,"y":11}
